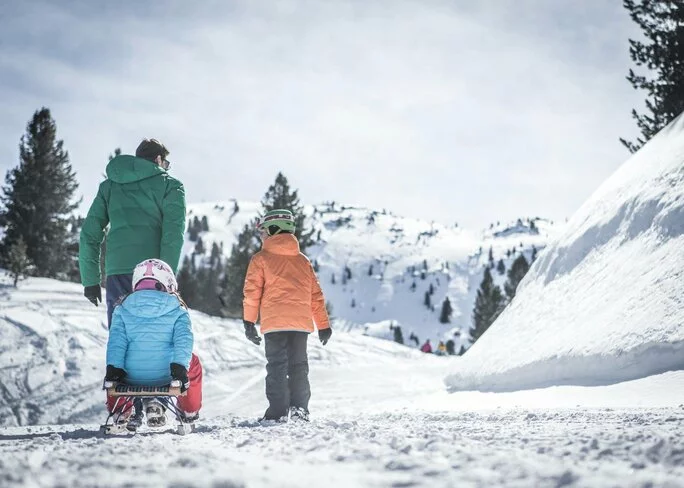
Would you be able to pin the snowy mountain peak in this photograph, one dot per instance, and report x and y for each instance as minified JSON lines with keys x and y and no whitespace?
{"x":376,"y":267}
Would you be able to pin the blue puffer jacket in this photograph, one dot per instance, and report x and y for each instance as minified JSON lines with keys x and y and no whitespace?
{"x":150,"y":330}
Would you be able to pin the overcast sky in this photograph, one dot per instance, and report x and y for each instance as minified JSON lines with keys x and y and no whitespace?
{"x":457,"y":111}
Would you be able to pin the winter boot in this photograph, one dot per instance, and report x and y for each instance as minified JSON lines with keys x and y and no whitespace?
{"x":156,"y":414}
{"x":190,"y":418}
{"x":135,"y":420}
{"x":299,"y":413}
{"x":268,"y":416}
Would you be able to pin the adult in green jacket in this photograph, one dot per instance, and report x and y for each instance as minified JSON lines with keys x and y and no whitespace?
{"x":145,"y":209}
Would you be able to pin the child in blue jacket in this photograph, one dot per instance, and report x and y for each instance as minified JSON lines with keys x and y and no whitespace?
{"x":150,"y":343}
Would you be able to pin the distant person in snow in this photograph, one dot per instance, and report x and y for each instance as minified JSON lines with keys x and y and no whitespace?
{"x":282,"y":289}
{"x":145,"y":209}
{"x":150,"y":343}
{"x":427,"y":347}
{"x":441,"y":349}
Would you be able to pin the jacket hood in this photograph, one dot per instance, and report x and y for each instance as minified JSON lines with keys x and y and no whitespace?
{"x":150,"y":303}
{"x":285,"y":244}
{"x":127,"y":169}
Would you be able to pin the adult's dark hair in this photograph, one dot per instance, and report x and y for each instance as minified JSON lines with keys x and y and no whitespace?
{"x":151,"y":148}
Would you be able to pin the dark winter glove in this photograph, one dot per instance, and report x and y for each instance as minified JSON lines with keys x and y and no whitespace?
{"x":251,"y":332}
{"x":324,"y":335}
{"x":114,"y":374}
{"x":178,"y":372}
{"x":93,"y":293}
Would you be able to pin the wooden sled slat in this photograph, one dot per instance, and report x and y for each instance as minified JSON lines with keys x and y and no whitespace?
{"x":120,"y":390}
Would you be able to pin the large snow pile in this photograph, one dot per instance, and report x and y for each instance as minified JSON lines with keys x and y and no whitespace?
{"x":375,"y":267}
{"x":605,"y":301}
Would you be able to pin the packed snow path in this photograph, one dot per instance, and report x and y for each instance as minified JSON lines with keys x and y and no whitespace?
{"x":512,"y":448}
{"x":381,"y":416}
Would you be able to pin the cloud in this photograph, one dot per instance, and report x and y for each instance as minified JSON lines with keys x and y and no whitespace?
{"x":467,"y":111}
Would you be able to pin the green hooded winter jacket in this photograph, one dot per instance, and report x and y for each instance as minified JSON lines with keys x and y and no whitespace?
{"x":145,"y":208}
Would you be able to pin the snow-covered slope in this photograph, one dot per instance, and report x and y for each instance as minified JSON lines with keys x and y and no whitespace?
{"x":376,"y":267}
{"x":52,"y":350}
{"x":605,"y":301}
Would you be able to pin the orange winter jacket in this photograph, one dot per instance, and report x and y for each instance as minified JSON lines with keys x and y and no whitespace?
{"x":281,"y":286}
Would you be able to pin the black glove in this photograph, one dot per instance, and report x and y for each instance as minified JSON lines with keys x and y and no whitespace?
{"x":93,"y":293}
{"x":251,"y":332}
{"x":114,"y":374}
{"x":324,"y":335}
{"x":178,"y":372}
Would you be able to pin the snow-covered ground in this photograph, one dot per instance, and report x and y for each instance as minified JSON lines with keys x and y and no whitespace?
{"x":380,"y":416}
{"x":605,"y":300}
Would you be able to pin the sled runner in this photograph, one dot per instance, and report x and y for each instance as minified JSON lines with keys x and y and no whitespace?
{"x":130,"y":397}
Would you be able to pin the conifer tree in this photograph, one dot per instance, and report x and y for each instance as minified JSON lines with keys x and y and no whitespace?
{"x":447,"y":310}
{"x":236,"y":270}
{"x":398,"y":335}
{"x":18,"y":262}
{"x":279,"y":195}
{"x":501,"y":267}
{"x":187,"y":282}
{"x":426,"y":301}
{"x":199,"y":246}
{"x":370,"y":270}
{"x":518,"y":270}
{"x":488,"y":305}
{"x":215,"y":256}
{"x":662,"y":53}
{"x":204,"y":224}
{"x":38,"y":200}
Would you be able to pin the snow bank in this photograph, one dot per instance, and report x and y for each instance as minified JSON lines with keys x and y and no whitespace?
{"x":604,"y":302}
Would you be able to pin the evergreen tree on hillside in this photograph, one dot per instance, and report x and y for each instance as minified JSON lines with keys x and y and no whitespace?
{"x":279,"y":195}
{"x":18,"y":263}
{"x":204,"y":224}
{"x":117,"y":152}
{"x":236,"y":270}
{"x":518,"y":270}
{"x":199,"y":246}
{"x":37,"y":201}
{"x":488,"y":305}
{"x":187,"y":282}
{"x":447,"y":310}
{"x":662,"y":53}
{"x":426,"y":301}
{"x":398,"y":335}
{"x":501,"y":267}
{"x":215,"y":256}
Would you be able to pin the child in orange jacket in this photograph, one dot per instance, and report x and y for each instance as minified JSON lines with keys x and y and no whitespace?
{"x":282,"y":289}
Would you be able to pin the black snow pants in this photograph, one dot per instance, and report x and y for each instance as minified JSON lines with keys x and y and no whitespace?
{"x":287,"y":373}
